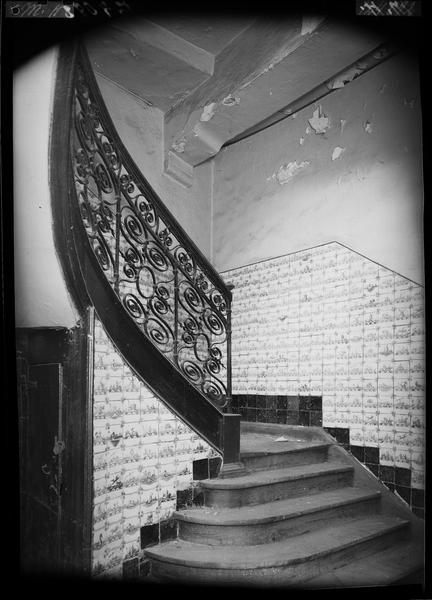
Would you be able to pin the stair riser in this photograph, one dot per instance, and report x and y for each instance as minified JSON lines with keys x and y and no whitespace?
{"x":264,"y":533}
{"x":291,"y":575}
{"x":288,"y":459}
{"x":230,"y":498}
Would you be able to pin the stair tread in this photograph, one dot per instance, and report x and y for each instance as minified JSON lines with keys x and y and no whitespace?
{"x":381,"y":568}
{"x":274,"y":554}
{"x":262,"y":444}
{"x":262,"y":477}
{"x":295,"y":432}
{"x":277,"y":510}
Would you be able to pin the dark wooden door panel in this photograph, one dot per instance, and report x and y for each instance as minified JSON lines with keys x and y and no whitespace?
{"x":42,"y":485}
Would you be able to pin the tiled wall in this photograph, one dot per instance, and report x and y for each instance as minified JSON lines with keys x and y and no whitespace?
{"x":268,"y":408}
{"x":144,"y":459}
{"x":327,"y":322}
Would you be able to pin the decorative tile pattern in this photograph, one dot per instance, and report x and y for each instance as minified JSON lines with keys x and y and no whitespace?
{"x":142,"y":455}
{"x":329,"y":322}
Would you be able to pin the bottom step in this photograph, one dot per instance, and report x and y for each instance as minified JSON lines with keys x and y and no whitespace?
{"x":393,"y":566}
{"x":288,"y":563}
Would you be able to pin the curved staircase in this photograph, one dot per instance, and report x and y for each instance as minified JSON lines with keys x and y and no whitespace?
{"x":302,"y":513}
{"x":298,"y":512}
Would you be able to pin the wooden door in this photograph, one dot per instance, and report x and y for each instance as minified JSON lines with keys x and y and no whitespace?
{"x":42,"y":450}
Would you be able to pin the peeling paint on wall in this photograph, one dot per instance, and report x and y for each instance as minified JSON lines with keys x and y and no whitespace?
{"x":337,"y":83}
{"x":387,"y":199}
{"x":179,"y":146}
{"x":208,"y":112}
{"x":320,"y":123}
{"x":288,"y":171}
{"x":337,"y":152}
{"x":368,"y":127}
{"x":346,"y":77}
{"x":231,"y":100}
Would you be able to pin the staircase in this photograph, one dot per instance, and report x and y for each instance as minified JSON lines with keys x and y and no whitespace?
{"x":302,"y":513}
{"x":299,"y":512}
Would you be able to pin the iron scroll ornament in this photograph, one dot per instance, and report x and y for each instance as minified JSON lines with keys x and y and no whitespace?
{"x":163,"y":285}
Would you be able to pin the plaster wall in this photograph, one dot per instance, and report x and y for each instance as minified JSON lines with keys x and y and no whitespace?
{"x":358,"y":182}
{"x":141,"y":129}
{"x":41,"y":296}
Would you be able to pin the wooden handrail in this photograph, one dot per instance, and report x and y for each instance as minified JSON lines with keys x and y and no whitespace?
{"x":126,"y":255}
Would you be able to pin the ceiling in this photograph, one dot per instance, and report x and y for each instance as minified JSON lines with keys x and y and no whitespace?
{"x":214,"y":79}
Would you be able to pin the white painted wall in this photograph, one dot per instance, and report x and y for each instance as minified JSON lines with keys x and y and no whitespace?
{"x":141,"y":130}
{"x":41,"y":297}
{"x":370,"y":198}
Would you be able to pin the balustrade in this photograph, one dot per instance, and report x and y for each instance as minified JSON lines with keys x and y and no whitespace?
{"x":165,"y":284}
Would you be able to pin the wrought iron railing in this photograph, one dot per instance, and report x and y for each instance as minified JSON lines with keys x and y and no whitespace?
{"x":166,"y":286}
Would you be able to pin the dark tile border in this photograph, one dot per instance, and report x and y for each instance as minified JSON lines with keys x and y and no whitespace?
{"x":341,"y":434}
{"x":206,"y":468}
{"x":396,"y":479}
{"x":417,"y":498}
{"x":277,"y":408}
{"x":184,"y":498}
{"x":157,"y":533}
{"x":131,"y":568}
{"x":149,"y":535}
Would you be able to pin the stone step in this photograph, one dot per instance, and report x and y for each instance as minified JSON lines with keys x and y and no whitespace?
{"x":273,"y":521}
{"x":285,"y":454}
{"x":275,"y":484}
{"x":287,"y":562}
{"x":294,"y":432}
{"x":402,"y":563}
{"x":287,"y":458}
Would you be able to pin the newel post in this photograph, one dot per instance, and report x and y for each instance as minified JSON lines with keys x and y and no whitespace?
{"x":230,"y":432}
{"x":230,"y":443}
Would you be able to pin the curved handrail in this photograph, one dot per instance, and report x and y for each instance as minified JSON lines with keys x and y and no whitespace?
{"x":163,"y":305}
{"x":167,"y":286}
